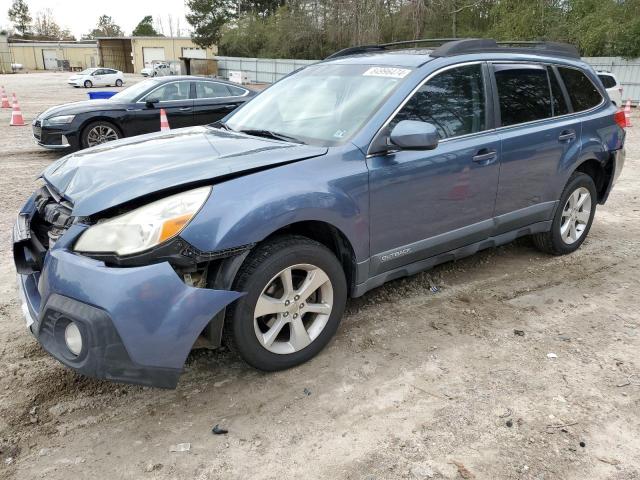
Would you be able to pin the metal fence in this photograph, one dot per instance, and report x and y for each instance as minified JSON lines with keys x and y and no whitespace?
{"x":626,"y":71}
{"x":270,"y":70}
{"x":259,"y":70}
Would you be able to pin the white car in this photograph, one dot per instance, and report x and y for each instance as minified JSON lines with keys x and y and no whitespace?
{"x":157,"y":70}
{"x":614,"y":89}
{"x":97,"y":77}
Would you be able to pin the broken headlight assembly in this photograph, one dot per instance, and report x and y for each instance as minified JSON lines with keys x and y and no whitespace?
{"x":145,"y":227}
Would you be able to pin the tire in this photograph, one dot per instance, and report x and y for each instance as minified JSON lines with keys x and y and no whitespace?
{"x":154,"y":74}
{"x":100,"y":128}
{"x":118,"y":83}
{"x":248,"y":333}
{"x":562,"y":238}
{"x":88,"y":84}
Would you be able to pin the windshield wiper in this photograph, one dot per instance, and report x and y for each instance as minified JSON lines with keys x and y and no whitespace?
{"x":270,"y":134}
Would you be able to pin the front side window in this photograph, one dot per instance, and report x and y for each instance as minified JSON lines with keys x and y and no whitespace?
{"x":323,"y":104}
{"x":582,"y":92}
{"x":523,"y":93}
{"x":171,"y":92}
{"x":453,"y":101}
{"x":211,"y":90}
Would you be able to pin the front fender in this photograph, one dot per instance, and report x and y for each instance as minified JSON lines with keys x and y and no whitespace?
{"x":245,"y":210}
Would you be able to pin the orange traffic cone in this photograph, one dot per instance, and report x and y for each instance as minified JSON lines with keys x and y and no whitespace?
{"x":164,"y":123}
{"x":5,"y":100}
{"x":16,"y":114}
{"x":627,"y":113}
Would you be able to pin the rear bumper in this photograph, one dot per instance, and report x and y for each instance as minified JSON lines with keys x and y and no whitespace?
{"x":618,"y":164}
{"x":137,"y":324}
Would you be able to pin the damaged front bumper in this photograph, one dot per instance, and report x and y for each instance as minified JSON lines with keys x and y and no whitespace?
{"x":137,"y":324}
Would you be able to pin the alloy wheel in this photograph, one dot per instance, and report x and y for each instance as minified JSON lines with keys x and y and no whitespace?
{"x":101,"y":134}
{"x":575,"y":215}
{"x":293,"y":309}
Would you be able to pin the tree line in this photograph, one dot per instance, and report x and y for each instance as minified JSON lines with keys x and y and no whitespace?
{"x":43,"y":25}
{"x":314,"y":29}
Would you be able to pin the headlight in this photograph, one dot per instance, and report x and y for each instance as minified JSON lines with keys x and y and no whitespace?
{"x":60,"y":120}
{"x":144,"y":227}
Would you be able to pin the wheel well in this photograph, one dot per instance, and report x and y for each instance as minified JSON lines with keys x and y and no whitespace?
{"x":330,"y":237}
{"x":600,"y":174}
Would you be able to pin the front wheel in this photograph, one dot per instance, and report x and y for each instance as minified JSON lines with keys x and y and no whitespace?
{"x":88,"y":84}
{"x":573,"y":218}
{"x":99,"y":132}
{"x":296,"y":295}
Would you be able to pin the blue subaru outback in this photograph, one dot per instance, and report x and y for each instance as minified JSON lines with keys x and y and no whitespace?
{"x":374,"y":164}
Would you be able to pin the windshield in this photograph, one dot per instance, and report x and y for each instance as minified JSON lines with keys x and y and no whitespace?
{"x":88,"y":71}
{"x":322,"y":104}
{"x":132,"y":93}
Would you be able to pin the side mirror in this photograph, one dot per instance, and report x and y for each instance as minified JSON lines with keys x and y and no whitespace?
{"x":150,"y":102}
{"x":414,"y":135}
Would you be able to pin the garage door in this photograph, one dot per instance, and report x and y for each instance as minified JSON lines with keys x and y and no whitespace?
{"x":50,"y":58}
{"x":149,"y":54}
{"x":194,"y":53}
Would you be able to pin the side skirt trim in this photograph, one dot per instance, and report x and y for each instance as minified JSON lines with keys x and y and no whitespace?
{"x":455,"y":254}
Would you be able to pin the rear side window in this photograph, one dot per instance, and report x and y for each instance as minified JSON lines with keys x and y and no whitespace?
{"x":236,"y":91}
{"x":523,"y":92}
{"x":453,"y":101}
{"x":608,"y":81}
{"x":211,"y":90}
{"x":559,"y":103}
{"x":582,"y":92}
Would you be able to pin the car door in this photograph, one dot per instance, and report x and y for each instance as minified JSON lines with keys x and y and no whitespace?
{"x":98,"y":77}
{"x":174,"y":97}
{"x":537,"y":137}
{"x":214,"y":100}
{"x":111,"y":76}
{"x":426,"y":202}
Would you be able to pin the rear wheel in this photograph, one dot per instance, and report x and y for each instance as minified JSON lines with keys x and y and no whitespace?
{"x":573,"y":218}
{"x":99,"y":132}
{"x":88,"y":84}
{"x":118,"y":83}
{"x":296,"y":295}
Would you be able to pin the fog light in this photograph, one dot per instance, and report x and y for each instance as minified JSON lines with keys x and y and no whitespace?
{"x":73,"y":338}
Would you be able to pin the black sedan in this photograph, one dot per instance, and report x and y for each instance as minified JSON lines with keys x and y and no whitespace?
{"x":187,"y":100}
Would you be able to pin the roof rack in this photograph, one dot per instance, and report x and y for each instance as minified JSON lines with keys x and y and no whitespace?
{"x":385,"y":46}
{"x":448,"y":47}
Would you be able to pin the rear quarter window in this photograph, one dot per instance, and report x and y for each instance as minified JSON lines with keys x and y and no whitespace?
{"x":608,"y":81}
{"x":582,"y":92}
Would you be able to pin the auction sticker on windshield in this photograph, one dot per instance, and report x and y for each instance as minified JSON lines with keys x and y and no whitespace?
{"x":390,"y":72}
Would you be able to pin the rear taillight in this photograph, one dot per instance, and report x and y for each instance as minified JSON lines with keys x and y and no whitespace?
{"x":620,"y":119}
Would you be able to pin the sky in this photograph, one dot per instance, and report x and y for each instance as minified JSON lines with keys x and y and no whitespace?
{"x":81,"y":16}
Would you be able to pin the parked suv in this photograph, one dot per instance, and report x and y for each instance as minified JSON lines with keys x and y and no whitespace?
{"x":612,"y":86}
{"x":374,"y":164}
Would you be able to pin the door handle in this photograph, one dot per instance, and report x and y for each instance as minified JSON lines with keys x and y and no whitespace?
{"x":485,"y":156}
{"x":185,"y":109}
{"x":229,"y":107}
{"x":567,"y":135}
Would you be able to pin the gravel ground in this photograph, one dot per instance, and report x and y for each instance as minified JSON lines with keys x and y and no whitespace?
{"x":415,"y":385}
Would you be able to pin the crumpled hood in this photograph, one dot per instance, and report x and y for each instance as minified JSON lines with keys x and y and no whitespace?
{"x":82,"y":107}
{"x":114,"y":173}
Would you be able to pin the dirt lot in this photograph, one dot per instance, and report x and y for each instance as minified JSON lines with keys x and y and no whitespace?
{"x":415,"y":385}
